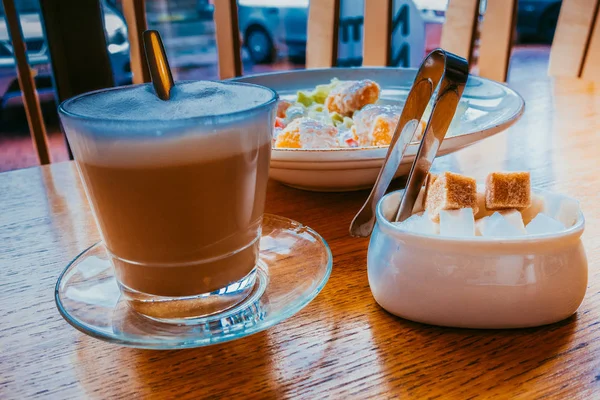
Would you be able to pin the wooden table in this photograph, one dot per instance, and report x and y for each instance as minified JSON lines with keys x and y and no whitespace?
{"x":341,"y":345}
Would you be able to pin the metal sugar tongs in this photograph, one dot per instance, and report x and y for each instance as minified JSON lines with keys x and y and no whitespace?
{"x":450,"y":72}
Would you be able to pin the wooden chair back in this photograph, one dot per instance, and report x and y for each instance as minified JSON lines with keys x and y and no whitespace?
{"x":576,"y":47}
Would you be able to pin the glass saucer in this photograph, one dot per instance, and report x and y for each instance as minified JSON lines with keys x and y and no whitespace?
{"x":294,"y":265}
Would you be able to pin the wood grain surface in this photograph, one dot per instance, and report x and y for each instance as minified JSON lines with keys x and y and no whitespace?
{"x":342,"y":345}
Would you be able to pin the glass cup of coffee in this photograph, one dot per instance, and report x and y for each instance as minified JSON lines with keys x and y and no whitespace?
{"x":177,"y":189}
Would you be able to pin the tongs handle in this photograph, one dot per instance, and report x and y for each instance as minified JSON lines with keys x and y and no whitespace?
{"x":453,"y":72}
{"x":438,"y":66}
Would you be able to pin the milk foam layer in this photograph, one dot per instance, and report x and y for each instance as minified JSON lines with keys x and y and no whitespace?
{"x":188,"y":100}
{"x":131,"y":127}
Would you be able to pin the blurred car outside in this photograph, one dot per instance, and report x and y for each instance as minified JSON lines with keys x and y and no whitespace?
{"x":536,"y":19}
{"x":273,"y":27}
{"x":38,"y":53}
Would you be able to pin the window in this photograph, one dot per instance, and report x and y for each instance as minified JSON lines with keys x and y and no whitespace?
{"x":16,"y":146}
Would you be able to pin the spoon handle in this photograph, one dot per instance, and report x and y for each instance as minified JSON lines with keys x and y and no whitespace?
{"x":158,"y":64}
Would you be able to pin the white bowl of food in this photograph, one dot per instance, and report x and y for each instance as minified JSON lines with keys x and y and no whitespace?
{"x":338,"y":133}
{"x":496,"y":281}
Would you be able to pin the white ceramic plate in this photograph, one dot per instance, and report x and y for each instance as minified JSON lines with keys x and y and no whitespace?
{"x":488,"y":108}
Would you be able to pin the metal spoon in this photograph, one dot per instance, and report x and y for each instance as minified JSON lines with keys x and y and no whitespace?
{"x":438,"y":65}
{"x":158,"y":64}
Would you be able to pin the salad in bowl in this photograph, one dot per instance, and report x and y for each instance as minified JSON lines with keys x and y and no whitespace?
{"x":334,"y":125}
{"x":339,"y":114}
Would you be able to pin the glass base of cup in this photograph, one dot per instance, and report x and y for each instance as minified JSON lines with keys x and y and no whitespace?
{"x":294,"y":264}
{"x":187,"y":309}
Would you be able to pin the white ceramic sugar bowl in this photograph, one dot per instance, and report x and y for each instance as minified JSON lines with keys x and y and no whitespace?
{"x":476,"y":282}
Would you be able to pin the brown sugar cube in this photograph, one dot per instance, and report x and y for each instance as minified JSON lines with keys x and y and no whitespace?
{"x":507,"y":190}
{"x":451,"y":191}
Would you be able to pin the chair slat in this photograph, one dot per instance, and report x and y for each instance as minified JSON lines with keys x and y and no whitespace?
{"x":228,"y":38}
{"x":458,"y":32}
{"x":591,"y":65}
{"x":377,"y":33}
{"x":496,"y":41}
{"x":77,"y":45}
{"x":135,"y":15}
{"x":571,"y":37}
{"x":323,"y":29}
{"x":30,"y":96}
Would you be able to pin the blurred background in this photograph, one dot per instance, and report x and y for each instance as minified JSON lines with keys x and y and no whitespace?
{"x":274,"y":38}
